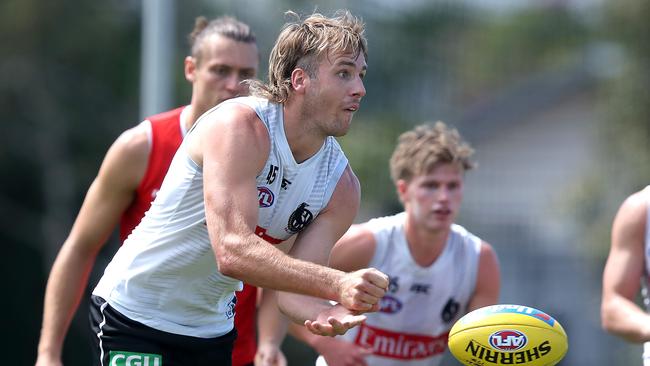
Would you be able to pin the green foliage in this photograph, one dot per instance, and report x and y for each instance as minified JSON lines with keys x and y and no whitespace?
{"x":624,"y":134}
{"x":82,"y":84}
{"x":68,"y":86}
{"x":500,"y":51}
{"x":369,"y":145}
{"x":627,"y":22}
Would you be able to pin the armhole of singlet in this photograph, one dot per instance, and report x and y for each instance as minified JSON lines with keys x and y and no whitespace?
{"x":181,"y":121}
{"x":475,"y":258}
{"x":336,"y":174}
{"x":381,"y":244}
{"x":472,"y":246}
{"x":148,"y":128}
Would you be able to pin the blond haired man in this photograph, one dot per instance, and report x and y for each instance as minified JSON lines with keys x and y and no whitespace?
{"x":438,"y":270}
{"x":259,"y":191}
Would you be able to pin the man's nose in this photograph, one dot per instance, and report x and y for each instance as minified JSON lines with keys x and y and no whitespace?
{"x":360,"y":89}
{"x":232,"y":82}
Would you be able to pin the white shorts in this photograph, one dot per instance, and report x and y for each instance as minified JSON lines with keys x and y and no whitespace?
{"x":646,"y":354}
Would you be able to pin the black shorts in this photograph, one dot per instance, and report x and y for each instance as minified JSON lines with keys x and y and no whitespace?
{"x":120,"y":341}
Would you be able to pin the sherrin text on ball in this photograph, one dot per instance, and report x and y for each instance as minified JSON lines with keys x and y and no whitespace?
{"x":508,"y":335}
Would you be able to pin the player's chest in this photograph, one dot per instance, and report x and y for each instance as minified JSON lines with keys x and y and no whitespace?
{"x":289,"y":199}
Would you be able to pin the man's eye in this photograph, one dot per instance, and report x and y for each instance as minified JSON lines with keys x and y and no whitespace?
{"x":222,"y":71}
{"x":344,"y":74}
{"x":245,"y":75}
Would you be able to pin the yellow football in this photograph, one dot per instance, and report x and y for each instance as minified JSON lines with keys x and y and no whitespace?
{"x":508,"y":335}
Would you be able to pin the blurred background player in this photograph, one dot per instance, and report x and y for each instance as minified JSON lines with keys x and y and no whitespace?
{"x":223,"y":53}
{"x":438,"y":270}
{"x":626,"y":272}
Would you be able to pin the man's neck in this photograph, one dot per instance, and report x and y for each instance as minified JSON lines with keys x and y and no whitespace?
{"x":303,"y":138}
{"x":424,"y":245}
{"x":191,"y":115}
{"x":197,"y":108}
{"x":187,"y":118}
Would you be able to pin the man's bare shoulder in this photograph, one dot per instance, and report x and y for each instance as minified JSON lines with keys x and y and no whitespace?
{"x":135,"y":142}
{"x":640,"y":198}
{"x":349,"y":184}
{"x":629,"y":226}
{"x":488,"y":254}
{"x":362,"y":234}
{"x":126,"y":161}
{"x":232,"y":121}
{"x":232,"y":112}
{"x":239,"y":132}
{"x":634,"y":208}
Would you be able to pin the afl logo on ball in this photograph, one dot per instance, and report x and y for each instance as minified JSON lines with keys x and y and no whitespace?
{"x":508,"y":340}
{"x":265,"y":196}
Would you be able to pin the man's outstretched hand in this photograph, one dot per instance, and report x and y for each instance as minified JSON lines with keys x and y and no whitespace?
{"x":334,"y":321}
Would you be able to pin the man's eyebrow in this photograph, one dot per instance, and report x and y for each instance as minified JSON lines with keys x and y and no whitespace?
{"x":349,"y":63}
{"x":220,"y":64}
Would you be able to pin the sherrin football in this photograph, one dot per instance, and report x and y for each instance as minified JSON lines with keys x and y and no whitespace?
{"x":508,"y":335}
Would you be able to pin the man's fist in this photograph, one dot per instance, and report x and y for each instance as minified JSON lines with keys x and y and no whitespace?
{"x":361,"y":290}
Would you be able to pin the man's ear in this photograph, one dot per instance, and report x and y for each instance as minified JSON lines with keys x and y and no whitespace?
{"x":299,"y":80}
{"x":190,"y":68}
{"x":402,"y":190}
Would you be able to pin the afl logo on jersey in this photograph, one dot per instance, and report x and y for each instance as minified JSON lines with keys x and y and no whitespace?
{"x":299,"y":219}
{"x":265,"y":197}
{"x":389,"y":305}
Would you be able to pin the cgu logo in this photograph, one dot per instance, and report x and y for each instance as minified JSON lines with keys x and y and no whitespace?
{"x":508,"y":340}
{"x":119,"y":358}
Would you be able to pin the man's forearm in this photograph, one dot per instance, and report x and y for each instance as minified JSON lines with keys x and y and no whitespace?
{"x":272,"y":325}
{"x":65,"y":286}
{"x":263,"y":265}
{"x":299,"y":308}
{"x":624,"y":318}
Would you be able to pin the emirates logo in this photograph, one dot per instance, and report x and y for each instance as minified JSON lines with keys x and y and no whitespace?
{"x":401,"y":346}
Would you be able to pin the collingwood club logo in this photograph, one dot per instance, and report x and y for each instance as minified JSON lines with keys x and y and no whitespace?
{"x":451,"y":309}
{"x":299,"y":219}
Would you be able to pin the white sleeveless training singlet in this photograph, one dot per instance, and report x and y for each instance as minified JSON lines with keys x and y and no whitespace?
{"x":165,"y":275}
{"x":422,"y":303}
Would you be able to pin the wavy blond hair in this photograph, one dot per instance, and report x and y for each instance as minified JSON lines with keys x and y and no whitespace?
{"x":425,"y":146}
{"x":304,"y":44}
